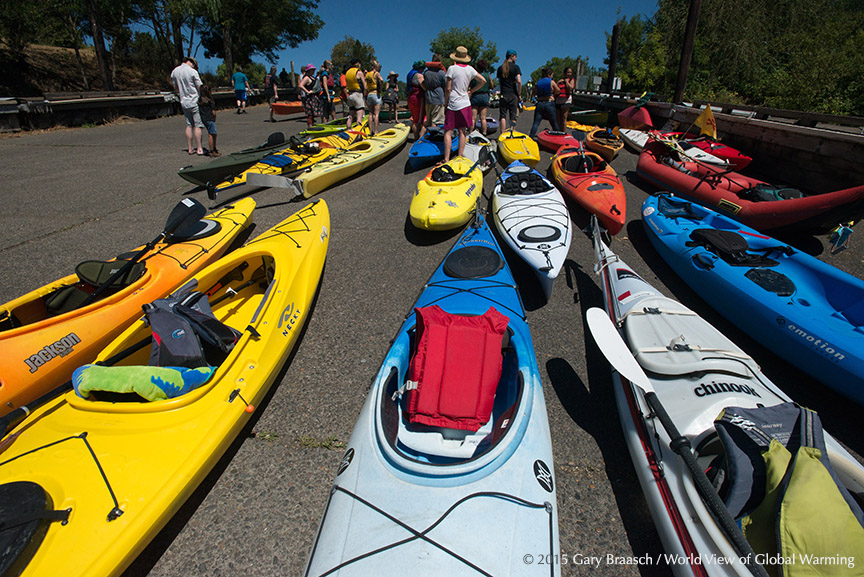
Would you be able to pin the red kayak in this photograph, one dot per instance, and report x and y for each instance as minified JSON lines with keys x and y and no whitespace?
{"x":590,"y":181}
{"x":293,"y":107}
{"x":635,"y":117}
{"x":552,"y":140}
{"x":753,"y":202}
{"x":737,"y":160}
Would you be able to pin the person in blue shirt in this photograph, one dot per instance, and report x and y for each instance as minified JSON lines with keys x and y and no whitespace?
{"x":545,"y":91}
{"x":241,"y":85}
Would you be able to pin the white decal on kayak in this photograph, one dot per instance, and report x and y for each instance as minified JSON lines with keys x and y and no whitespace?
{"x":346,"y":461}
{"x":324,"y":233}
{"x":543,"y":475}
{"x":59,"y":348}
{"x":825,"y":348}
{"x":648,"y":211}
{"x":714,"y":388}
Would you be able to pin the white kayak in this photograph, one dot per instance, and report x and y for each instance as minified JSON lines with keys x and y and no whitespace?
{"x":533,"y":220}
{"x":636,"y":140}
{"x":421,"y":500}
{"x":481,"y":150}
{"x":697,"y":374}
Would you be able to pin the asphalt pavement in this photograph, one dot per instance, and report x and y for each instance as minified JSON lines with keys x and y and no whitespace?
{"x":91,"y":193}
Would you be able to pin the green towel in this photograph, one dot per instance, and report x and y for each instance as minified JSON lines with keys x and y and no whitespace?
{"x":151,"y":383}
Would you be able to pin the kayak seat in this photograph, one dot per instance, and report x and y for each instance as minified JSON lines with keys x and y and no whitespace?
{"x":578,"y":164}
{"x":445,"y":173}
{"x":91,"y":274}
{"x":525,"y":183}
{"x":729,"y":246}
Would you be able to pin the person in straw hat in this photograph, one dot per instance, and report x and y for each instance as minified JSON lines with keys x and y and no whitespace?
{"x":458,"y":95}
{"x":391,"y":94}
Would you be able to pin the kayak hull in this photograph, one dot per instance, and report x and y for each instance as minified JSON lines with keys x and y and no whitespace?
{"x":447,"y":205}
{"x":513,"y":146}
{"x":598,"y":191}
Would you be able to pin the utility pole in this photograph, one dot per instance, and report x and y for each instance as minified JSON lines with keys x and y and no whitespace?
{"x":687,"y":50}
{"x":613,"y":56}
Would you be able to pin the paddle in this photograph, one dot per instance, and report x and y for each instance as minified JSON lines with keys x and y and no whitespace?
{"x":619,"y":356}
{"x":580,"y":136}
{"x":187,"y":210}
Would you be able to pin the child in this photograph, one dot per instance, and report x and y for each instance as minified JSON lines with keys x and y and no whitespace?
{"x":207,"y":109}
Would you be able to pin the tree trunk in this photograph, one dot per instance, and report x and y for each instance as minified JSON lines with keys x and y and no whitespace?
{"x":76,"y":45}
{"x":229,"y":57}
{"x":613,"y":57}
{"x":687,"y":50}
{"x":177,"y":32}
{"x":99,"y":45}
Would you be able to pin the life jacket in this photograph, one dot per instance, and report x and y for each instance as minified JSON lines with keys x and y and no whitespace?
{"x":371,"y":82}
{"x":564,"y":89}
{"x":455,"y":368}
{"x":783,"y":490}
{"x":409,"y":83}
{"x":351,"y":81}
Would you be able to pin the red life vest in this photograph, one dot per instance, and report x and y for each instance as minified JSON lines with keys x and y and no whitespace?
{"x":456,"y":368}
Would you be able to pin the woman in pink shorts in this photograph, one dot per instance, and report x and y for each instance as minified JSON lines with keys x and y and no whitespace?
{"x":458,"y":96}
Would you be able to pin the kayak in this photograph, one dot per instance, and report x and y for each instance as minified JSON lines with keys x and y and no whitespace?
{"x":702,"y":380}
{"x":491,"y":125}
{"x":325,"y":128}
{"x":533,"y":220}
{"x":635,"y":116}
{"x":430,"y":148}
{"x":802,"y":308}
{"x":736,"y":159}
{"x":552,"y":140}
{"x":478,"y":148}
{"x":515,"y":146}
{"x":588,"y":179}
{"x":48,"y":332}
{"x":227,"y":167}
{"x":589,"y":117}
{"x":292,"y":159}
{"x":293,"y":107}
{"x":339,"y":166}
{"x":122,"y":466}
{"x":401,"y":114}
{"x":447,"y":197}
{"x":407,"y":492}
{"x":604,"y":142}
{"x":636,"y":140}
{"x":755,"y":203}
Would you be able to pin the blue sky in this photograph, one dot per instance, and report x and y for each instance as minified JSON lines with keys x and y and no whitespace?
{"x":401,"y":31}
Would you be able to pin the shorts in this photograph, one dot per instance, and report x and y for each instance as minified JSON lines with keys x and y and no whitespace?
{"x":373,"y":100}
{"x":480,"y":100}
{"x":355,"y":101}
{"x":416,"y":104}
{"x":435,"y":114}
{"x":458,"y":119}
{"x":241,"y":95}
{"x":509,"y":107}
{"x":193,"y":117}
{"x":211,"y":127}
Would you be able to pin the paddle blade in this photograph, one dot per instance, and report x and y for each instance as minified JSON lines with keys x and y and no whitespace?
{"x":186,"y":210}
{"x":579,"y":135}
{"x":615,"y":349}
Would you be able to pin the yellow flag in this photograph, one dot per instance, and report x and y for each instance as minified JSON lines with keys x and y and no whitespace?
{"x":706,"y":123}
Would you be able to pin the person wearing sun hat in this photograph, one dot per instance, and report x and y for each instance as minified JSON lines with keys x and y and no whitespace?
{"x":457,"y":92}
{"x":510,"y":81}
{"x":311,"y":102}
{"x":391,"y":94}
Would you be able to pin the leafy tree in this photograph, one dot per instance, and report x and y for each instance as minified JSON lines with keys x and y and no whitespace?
{"x":448,"y":40}
{"x":633,"y":38}
{"x":20,"y":24}
{"x":235,"y":30}
{"x":348,"y":49}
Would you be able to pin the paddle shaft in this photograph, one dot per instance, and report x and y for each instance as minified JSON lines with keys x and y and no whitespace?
{"x":681,"y":445}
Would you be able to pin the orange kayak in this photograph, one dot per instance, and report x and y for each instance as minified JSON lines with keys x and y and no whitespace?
{"x":293,"y":107}
{"x":605,"y":143}
{"x":592,"y":183}
{"x":47,"y":333}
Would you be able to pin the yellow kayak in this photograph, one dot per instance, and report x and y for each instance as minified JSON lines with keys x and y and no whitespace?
{"x":294,"y":159}
{"x":513,"y":145}
{"x":339,"y":166}
{"x":447,"y":196}
{"x":574,"y":125}
{"x":117,"y":471}
{"x":47,"y":333}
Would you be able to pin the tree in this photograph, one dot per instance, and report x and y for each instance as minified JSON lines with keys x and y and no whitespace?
{"x":448,"y":40}
{"x":20,"y":24}
{"x":348,"y":49}
{"x":559,"y":64}
{"x":235,"y":30}
{"x":632,"y":37}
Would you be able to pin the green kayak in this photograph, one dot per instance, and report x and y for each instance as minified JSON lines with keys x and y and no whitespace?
{"x":326,"y":128}
{"x":230,"y":165}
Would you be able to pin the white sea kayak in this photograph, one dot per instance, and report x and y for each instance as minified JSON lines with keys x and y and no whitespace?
{"x":636,"y":140}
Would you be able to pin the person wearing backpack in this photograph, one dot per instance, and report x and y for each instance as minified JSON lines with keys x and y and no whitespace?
{"x":271,"y":90}
{"x":416,"y":99}
{"x":323,"y":88}
{"x":311,"y":103}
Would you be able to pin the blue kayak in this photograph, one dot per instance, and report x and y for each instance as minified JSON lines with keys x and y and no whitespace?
{"x":430,"y":148}
{"x":805,"y":310}
{"x":422,"y":499}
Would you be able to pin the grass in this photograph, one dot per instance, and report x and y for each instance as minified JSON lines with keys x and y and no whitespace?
{"x":330,"y":443}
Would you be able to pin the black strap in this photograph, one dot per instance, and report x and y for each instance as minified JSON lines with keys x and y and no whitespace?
{"x":45,"y":514}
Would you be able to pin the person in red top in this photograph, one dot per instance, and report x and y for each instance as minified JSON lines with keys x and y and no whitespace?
{"x":564,"y":99}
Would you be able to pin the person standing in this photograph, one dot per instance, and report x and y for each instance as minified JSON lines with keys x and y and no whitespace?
{"x":374,"y":85}
{"x":356,"y":86}
{"x":434,"y":79}
{"x":480,"y":96}
{"x":391,"y":95}
{"x":207,"y":108}
{"x":545,"y":91}
{"x":458,"y":94}
{"x":271,"y":90}
{"x":241,"y":87}
{"x":325,"y":76}
{"x":284,"y":78}
{"x":564,"y":100}
{"x":186,"y":81}
{"x":510,"y":80}
{"x":416,"y":98}
{"x":311,"y":103}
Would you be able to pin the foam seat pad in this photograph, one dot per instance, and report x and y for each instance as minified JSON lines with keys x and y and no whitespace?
{"x":151,"y":383}
{"x":456,"y":368}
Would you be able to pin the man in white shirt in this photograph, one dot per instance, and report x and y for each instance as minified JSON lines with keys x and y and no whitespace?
{"x":186,"y":81}
{"x":458,"y":96}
